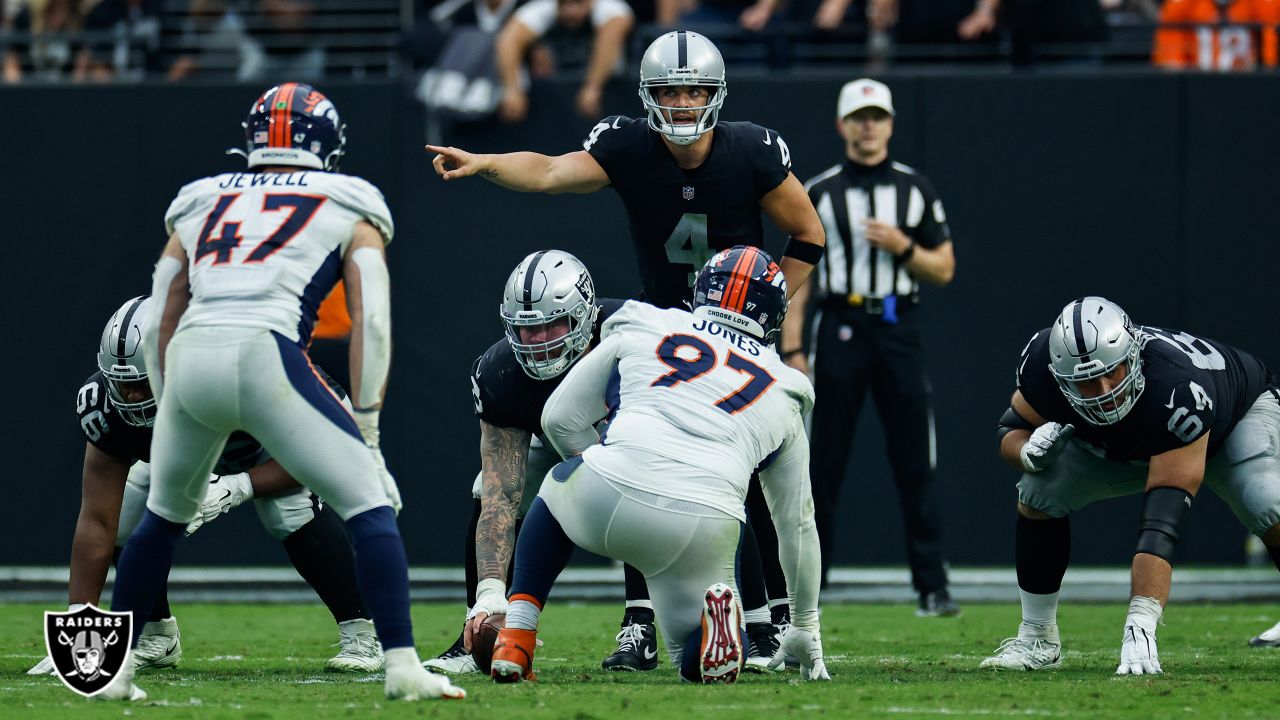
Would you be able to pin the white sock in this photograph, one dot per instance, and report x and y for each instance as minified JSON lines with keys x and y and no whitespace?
{"x":1039,"y":610}
{"x":401,"y":657}
{"x":759,"y":615}
{"x":522,"y":615}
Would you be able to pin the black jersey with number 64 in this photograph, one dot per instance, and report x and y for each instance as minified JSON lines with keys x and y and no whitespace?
{"x":680,"y":218}
{"x":1194,"y":386}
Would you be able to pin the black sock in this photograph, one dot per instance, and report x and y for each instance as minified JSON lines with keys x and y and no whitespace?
{"x":469,"y":562}
{"x":321,"y":553}
{"x":637,"y":588}
{"x":1043,"y":550}
{"x":160,"y":611}
{"x":750,"y":573}
{"x":780,"y":614}
{"x":1274,"y":552}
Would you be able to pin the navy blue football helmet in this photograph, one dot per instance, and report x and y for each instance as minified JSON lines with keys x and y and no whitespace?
{"x":742,"y":288}
{"x":293,"y":124}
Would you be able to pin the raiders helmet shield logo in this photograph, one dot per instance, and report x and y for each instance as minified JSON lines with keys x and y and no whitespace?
{"x":88,"y":646}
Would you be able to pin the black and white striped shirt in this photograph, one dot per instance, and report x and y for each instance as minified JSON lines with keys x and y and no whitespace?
{"x":845,"y":196}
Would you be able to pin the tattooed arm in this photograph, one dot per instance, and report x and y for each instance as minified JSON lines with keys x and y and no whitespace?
{"x":503,"y":454}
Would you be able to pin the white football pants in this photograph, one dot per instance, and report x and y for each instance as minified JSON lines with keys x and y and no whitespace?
{"x":222,"y":379}
{"x":681,"y":547}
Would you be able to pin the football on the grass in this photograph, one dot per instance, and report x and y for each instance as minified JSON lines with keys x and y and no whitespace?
{"x":482,"y":645}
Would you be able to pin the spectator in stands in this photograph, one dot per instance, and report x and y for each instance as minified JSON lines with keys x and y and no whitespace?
{"x":610,"y":21}
{"x":912,"y":21}
{"x":45,"y":45}
{"x":436,"y":21}
{"x":750,"y":16}
{"x":279,"y":46}
{"x":1042,"y":30}
{"x":212,"y":36}
{"x":1231,"y":35}
{"x":122,"y":39}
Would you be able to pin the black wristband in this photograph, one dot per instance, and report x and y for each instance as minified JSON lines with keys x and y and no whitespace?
{"x":788,"y":353}
{"x":805,"y":252}
{"x":909,"y":253}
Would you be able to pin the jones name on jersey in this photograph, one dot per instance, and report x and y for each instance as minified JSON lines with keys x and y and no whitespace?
{"x":680,"y":218}
{"x":505,"y":396}
{"x":104,"y":430}
{"x":231,"y":224}
{"x":1193,"y":386}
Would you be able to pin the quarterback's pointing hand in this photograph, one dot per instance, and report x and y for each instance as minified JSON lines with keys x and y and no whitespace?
{"x":451,"y":163}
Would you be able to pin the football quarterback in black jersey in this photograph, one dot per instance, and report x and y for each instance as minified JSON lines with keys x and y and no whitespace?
{"x":1104,"y":409}
{"x":552,"y":318}
{"x":116,"y":412}
{"x":692,"y":185}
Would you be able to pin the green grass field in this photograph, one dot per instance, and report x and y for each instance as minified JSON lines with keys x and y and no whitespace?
{"x":263,"y":661}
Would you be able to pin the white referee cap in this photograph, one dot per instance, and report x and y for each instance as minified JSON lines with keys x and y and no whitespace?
{"x":863,"y":93}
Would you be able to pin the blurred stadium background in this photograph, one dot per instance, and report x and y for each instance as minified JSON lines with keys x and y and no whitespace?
{"x":1069,"y":163}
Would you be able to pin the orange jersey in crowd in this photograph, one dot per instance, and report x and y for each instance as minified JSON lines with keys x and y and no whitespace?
{"x":1227,"y":37}
{"x":332,"y":320}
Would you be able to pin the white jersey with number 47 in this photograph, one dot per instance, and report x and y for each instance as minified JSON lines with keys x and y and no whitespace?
{"x":695,"y":406}
{"x":264,"y":249}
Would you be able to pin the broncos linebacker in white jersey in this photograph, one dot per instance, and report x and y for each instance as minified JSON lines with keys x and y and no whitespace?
{"x":696,"y":402}
{"x":249,"y":258}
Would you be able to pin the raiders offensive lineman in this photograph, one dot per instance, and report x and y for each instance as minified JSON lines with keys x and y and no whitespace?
{"x":116,"y":414}
{"x":249,"y":258}
{"x":1105,"y":409}
{"x":696,"y":402}
{"x":692,"y":186}
{"x":552,"y":319}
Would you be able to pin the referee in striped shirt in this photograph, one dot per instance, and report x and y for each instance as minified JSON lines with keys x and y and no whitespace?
{"x":886,"y":233}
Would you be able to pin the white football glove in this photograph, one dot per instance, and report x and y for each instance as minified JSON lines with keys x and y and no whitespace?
{"x":491,"y":598}
{"x":1045,"y":445}
{"x":804,"y":646}
{"x":1138,"y":653}
{"x":367,"y":422}
{"x":224,"y":493}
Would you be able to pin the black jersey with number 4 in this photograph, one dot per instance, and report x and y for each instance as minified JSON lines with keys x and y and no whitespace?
{"x":1193,"y":386}
{"x":680,"y":218}
{"x":107,"y":431}
{"x":505,"y":396}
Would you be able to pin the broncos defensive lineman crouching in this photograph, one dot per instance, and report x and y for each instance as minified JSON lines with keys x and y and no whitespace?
{"x":1163,"y":412}
{"x":696,"y":401}
{"x":249,"y":258}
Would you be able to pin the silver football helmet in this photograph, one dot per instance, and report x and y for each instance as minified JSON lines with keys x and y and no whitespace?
{"x":549,"y":310}
{"x":122,"y":364}
{"x":682,"y":58}
{"x":1090,"y":338}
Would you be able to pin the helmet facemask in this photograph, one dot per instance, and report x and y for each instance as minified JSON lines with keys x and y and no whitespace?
{"x":1091,"y":339}
{"x":120,"y":380}
{"x":123,"y":365}
{"x":552,"y":292}
{"x":549,"y":358}
{"x":660,"y":116}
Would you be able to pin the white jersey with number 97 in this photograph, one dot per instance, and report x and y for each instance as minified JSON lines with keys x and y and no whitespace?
{"x":697,"y":407}
{"x":264,"y":249}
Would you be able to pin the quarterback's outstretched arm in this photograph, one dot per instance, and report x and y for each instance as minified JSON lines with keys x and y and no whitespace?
{"x":575,"y":172}
{"x":569,"y":418}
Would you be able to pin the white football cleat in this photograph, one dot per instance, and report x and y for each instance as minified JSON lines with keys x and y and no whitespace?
{"x":1037,"y":647}
{"x":414,"y":683}
{"x":122,"y":687}
{"x":454,"y":661}
{"x":359,"y":650}
{"x":44,"y":667}
{"x":159,"y":645}
{"x":720,"y":657}
{"x":1270,"y":638}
